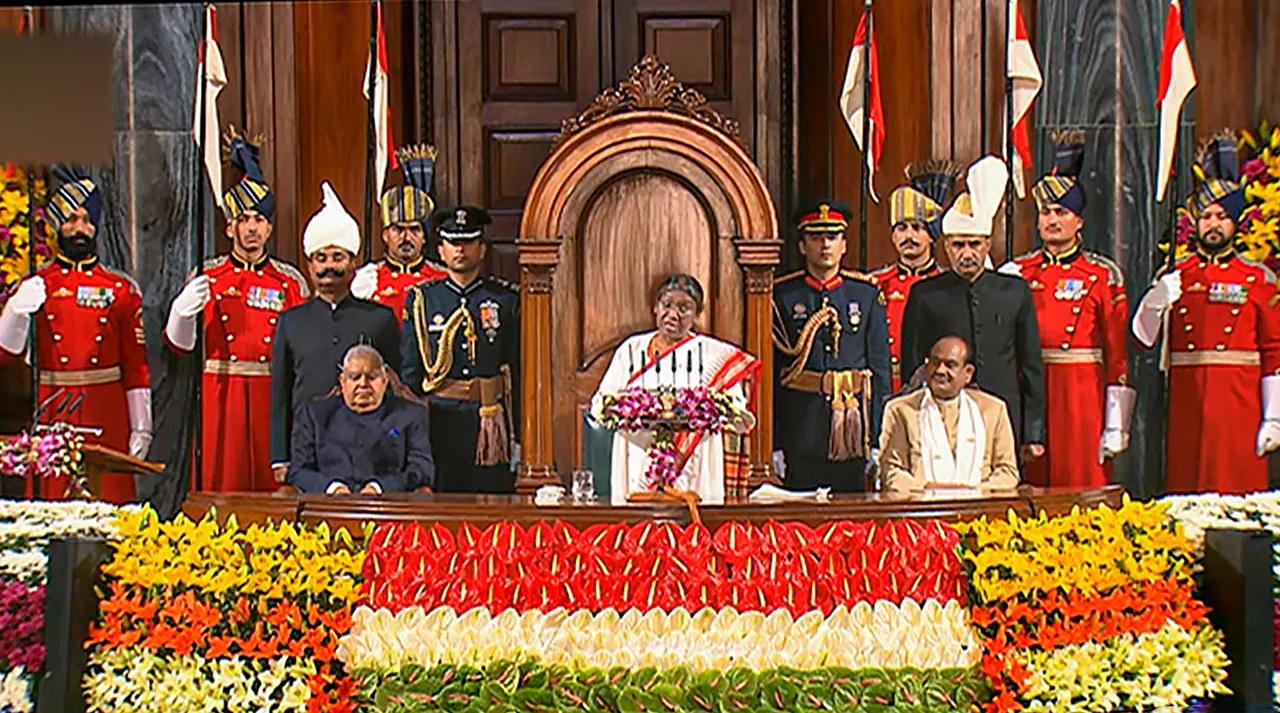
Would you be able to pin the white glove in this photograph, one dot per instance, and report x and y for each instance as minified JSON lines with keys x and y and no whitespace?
{"x":1269,"y":432}
{"x":187,"y":306}
{"x":15,"y":321}
{"x":1146,"y":320}
{"x":365,"y":283}
{"x":1010,"y":268}
{"x":779,"y":463}
{"x":139,"y":421}
{"x":1118,"y":414}
{"x":515,"y":458}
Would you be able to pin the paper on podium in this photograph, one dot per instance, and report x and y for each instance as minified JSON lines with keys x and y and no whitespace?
{"x":767,"y":493}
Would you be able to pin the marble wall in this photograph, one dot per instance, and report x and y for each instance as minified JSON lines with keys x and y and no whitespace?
{"x":148,"y":229}
{"x":1100,"y":60}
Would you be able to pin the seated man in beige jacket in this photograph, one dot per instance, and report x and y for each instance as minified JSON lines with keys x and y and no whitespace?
{"x":945,"y":435}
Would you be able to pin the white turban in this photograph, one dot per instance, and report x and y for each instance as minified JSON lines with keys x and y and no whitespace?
{"x":331,"y":226}
{"x":974,"y":212}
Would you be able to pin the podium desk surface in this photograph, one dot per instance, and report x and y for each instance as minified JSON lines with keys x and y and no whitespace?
{"x":453,"y":509}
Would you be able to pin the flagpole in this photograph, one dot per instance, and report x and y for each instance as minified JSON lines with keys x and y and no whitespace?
{"x":1011,"y":31}
{"x":370,"y":131}
{"x":197,"y":448}
{"x":982,"y":73}
{"x":32,"y":342}
{"x":867,"y":150}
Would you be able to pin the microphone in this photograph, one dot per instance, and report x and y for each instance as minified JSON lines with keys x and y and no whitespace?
{"x":61,"y":406}
{"x":75,"y":405}
{"x":43,"y":404}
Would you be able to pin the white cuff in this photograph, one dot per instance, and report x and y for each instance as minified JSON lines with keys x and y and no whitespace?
{"x":1146,"y":325}
{"x":139,"y":409}
{"x":376,"y":486}
{"x":1119,"y":408}
{"x":333,"y":486}
{"x":1271,"y":398}
{"x":13,"y":331}
{"x":180,"y":330}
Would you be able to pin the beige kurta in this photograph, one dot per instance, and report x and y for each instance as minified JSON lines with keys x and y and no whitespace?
{"x":901,"y":464}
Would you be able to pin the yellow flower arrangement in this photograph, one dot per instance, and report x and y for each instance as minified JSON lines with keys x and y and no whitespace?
{"x":15,"y":234}
{"x":1090,"y":550}
{"x":276,"y":560}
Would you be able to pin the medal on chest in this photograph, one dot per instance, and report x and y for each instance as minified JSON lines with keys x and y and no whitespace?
{"x":94,"y":297}
{"x":1069,"y":289}
{"x":855,"y":315}
{"x":490,"y":320}
{"x":265,"y":298}
{"x":799,"y":312}
{"x":1228,"y":293}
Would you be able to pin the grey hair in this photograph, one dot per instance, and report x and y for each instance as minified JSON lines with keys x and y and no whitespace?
{"x":364,"y":351}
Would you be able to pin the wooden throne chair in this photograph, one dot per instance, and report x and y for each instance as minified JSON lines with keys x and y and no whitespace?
{"x":647,"y":181}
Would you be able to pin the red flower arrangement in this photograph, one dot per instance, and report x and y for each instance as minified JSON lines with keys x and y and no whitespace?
{"x":660,"y":565}
{"x":22,"y":620}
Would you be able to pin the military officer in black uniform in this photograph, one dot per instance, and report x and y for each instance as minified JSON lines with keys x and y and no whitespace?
{"x":461,"y":348}
{"x":992,"y":312}
{"x":832,"y":360}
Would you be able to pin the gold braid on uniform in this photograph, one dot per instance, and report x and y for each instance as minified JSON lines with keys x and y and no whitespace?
{"x":437,"y":369}
{"x":804,"y":343}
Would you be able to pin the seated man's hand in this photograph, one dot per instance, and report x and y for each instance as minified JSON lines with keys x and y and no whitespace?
{"x":280,"y":472}
{"x":340,"y":490}
{"x":370,"y":489}
{"x":1032,"y":451}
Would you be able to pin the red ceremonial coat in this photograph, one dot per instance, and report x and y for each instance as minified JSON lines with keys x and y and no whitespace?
{"x":1224,"y":336}
{"x":239,"y":325}
{"x":895,"y":281}
{"x":90,"y":344}
{"x":1083,"y":316}
{"x":395,"y":279}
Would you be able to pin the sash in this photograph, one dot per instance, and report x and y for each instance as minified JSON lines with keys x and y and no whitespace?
{"x":739,"y":367}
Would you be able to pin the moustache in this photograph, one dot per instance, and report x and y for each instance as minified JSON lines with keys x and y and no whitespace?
{"x":331,"y":272}
{"x":405,"y":244}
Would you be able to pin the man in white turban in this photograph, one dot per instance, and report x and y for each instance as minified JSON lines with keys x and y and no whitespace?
{"x":312,"y":338}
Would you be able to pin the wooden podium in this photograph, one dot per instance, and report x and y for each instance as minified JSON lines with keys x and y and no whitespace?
{"x":100,"y":459}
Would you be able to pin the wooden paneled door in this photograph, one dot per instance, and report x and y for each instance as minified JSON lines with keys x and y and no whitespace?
{"x":521,"y":66}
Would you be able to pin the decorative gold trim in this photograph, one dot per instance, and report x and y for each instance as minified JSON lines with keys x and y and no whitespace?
{"x":1234,"y":357}
{"x":651,"y":86}
{"x":86,"y":377}
{"x":1071,"y":356}
{"x":223,"y":367}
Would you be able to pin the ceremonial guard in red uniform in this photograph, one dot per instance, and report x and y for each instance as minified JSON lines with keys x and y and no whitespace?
{"x":915,"y":211}
{"x":1082,"y":311}
{"x":1223,"y":342}
{"x":240,"y":295}
{"x":406,"y":211}
{"x":89,"y":337}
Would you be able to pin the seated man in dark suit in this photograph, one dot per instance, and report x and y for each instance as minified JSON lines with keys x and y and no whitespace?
{"x":368,"y":441}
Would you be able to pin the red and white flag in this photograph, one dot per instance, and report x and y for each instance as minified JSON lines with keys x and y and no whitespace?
{"x":385,"y":152}
{"x":211,"y":77}
{"x":1177,"y":79}
{"x":851,"y":99}
{"x":1024,"y":72}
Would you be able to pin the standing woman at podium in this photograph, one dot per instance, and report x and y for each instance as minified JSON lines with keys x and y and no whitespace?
{"x":674,"y":355}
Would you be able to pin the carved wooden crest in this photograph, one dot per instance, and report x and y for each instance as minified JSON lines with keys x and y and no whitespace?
{"x":651,"y":86}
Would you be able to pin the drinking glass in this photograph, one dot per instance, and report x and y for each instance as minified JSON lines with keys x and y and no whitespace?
{"x":584,"y":486}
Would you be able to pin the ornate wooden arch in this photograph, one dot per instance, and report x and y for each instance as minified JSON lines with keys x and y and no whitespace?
{"x":649,"y":120}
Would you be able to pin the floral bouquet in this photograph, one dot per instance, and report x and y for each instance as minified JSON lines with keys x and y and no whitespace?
{"x":15,"y":231}
{"x":53,"y":452}
{"x":666,"y":410}
{"x":1256,"y":237}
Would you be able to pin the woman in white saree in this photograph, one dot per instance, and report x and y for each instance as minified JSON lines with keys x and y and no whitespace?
{"x":675,"y":356}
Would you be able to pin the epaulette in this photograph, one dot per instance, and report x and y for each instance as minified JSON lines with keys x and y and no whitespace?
{"x":1268,"y":274}
{"x":855,"y":275}
{"x":1025,"y":256}
{"x":779,"y":279}
{"x":883,"y":271}
{"x":1177,"y":264}
{"x":133,"y":284}
{"x":1115,"y":276}
{"x":292,"y":273}
{"x":209,"y":264}
{"x":503,"y":283}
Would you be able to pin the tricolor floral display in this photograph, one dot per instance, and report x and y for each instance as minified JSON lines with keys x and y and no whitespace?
{"x":223,"y":618}
{"x":25,"y":532}
{"x":1091,"y":612}
{"x":622,"y":619}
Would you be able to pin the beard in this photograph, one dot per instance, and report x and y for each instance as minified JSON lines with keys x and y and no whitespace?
{"x":78,"y":246}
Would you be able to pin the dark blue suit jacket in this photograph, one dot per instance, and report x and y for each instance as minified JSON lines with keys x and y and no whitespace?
{"x":391,"y":447}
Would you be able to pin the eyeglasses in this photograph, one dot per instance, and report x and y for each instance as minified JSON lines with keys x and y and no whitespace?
{"x":683,"y":308}
{"x":371,"y":376}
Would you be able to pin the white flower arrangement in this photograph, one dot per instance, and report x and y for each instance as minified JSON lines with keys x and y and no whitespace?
{"x":26,"y":566}
{"x":1162,"y":671}
{"x":883,"y":635}
{"x":15,"y":694}
{"x":26,"y":526}
{"x":132,"y":681}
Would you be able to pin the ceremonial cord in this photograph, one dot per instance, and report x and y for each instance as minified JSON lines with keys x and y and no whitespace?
{"x":438,"y":368}
{"x":804,"y":344}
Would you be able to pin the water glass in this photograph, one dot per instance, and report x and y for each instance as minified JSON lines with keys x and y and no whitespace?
{"x":583,"y":486}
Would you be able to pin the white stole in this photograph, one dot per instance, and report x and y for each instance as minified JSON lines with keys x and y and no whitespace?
{"x":964,"y":467}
